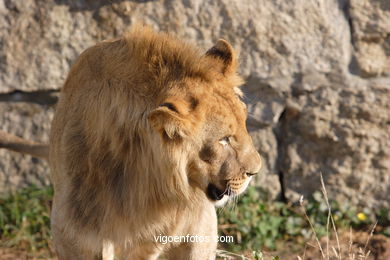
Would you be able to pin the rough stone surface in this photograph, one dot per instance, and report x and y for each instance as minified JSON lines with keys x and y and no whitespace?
{"x":32,"y":122}
{"x":311,"y":106}
{"x":371,"y":36}
{"x":40,"y":39}
{"x":342,"y":129}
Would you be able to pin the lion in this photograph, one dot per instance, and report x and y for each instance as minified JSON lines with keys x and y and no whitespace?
{"x":148,"y":137}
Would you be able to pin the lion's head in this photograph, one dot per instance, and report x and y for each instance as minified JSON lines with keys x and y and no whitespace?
{"x":205,"y":119}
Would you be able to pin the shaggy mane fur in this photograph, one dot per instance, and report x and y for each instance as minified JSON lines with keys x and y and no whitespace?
{"x":107,"y":142}
{"x":165,"y":55}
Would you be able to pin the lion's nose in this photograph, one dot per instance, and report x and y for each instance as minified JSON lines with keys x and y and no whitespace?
{"x":259,"y":163}
{"x":255,"y":164}
{"x":251,"y":162}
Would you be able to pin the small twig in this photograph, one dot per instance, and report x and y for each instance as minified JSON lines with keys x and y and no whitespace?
{"x":304,"y":252}
{"x":335,"y":252}
{"x":370,"y":236}
{"x":351,"y":256}
{"x":311,"y":226}
{"x":327,"y":231}
{"x":313,"y":246}
{"x":227,"y":254}
{"x":325,"y":193}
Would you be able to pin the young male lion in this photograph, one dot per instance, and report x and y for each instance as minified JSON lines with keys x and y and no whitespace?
{"x":148,"y":136}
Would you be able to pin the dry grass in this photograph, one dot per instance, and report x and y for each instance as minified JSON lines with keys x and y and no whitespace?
{"x":335,"y":252}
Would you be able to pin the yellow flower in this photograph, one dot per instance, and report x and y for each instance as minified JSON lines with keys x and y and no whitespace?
{"x":361,"y":216}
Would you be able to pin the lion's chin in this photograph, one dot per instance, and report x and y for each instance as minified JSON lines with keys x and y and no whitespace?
{"x":220,"y":203}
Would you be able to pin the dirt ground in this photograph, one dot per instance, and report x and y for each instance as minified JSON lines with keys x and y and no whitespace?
{"x":378,"y":246}
{"x":18,"y":254}
{"x":357,"y":248}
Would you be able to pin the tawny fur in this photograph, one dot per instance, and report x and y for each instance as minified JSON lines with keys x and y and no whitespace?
{"x":144,"y":125}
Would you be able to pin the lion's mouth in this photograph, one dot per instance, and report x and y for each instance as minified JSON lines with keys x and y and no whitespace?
{"x":214,"y":193}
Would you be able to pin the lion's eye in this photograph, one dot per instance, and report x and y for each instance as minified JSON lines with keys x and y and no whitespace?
{"x":225,"y":141}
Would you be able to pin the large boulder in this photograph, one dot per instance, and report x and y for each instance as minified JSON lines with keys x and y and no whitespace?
{"x":310,"y":109}
{"x":41,"y":39}
{"x":339,"y":127}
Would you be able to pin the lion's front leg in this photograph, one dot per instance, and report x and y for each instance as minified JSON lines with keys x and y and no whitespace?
{"x":200,"y":235}
{"x":69,"y":243}
{"x":146,"y":251}
{"x":194,"y":251}
{"x":68,"y":249}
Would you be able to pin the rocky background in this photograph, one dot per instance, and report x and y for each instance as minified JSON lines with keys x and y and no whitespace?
{"x":317,"y":71}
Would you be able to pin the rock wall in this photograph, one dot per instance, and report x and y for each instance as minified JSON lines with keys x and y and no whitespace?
{"x":317,"y":71}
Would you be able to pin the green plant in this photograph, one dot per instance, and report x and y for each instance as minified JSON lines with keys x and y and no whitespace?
{"x":258,"y":224}
{"x":255,"y":224}
{"x":24,"y":218}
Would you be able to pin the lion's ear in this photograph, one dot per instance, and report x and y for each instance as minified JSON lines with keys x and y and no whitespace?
{"x":167,"y":120}
{"x":225,"y":54}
